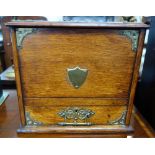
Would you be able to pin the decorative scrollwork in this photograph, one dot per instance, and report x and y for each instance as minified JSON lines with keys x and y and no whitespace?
{"x":75,"y":114}
{"x":30,"y":121}
{"x":21,"y":33}
{"x":120,"y":121}
{"x":133,"y":35}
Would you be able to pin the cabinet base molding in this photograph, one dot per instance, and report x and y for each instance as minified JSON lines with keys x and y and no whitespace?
{"x":80,"y":131}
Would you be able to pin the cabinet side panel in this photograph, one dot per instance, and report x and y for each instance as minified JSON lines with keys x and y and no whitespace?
{"x":18,"y":80}
{"x":135,"y":75}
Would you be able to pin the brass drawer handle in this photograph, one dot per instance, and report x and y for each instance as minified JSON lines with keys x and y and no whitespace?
{"x":75,"y":124}
{"x":74,"y":115}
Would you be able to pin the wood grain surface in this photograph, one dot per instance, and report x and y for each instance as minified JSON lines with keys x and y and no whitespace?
{"x":113,"y":25}
{"x":47,"y":54}
{"x":98,"y":129}
{"x":10,"y":122}
{"x":48,"y":115}
{"x":74,"y":101}
{"x":135,"y":75}
{"x":43,"y":84}
{"x":17,"y":77}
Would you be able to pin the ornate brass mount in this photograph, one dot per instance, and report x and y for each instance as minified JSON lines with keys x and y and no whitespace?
{"x":133,"y":35}
{"x":76,"y":114}
{"x":77,"y":76}
{"x":30,"y":121}
{"x":21,"y":33}
{"x":120,"y":121}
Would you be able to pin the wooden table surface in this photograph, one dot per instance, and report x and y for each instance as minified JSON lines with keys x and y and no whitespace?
{"x":10,"y":121}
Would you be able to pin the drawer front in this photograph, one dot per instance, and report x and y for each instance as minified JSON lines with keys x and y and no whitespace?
{"x":74,"y":102}
{"x":61,"y":62}
{"x":75,"y":115}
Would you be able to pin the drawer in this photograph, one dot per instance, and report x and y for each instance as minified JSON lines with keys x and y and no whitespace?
{"x":61,"y":62}
{"x":75,"y":115}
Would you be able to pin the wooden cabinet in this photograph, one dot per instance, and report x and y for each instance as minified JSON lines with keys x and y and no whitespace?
{"x":74,"y":76}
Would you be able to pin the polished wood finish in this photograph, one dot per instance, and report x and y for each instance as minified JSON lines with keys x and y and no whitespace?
{"x":113,"y":70}
{"x":10,"y":122}
{"x":139,"y":121}
{"x":79,"y":24}
{"x":109,"y":67}
{"x":46,"y":109}
{"x":74,"y":101}
{"x":41,"y":135}
{"x":99,"y":129}
{"x":48,"y":115}
{"x":17,"y":76}
{"x":135,"y":75}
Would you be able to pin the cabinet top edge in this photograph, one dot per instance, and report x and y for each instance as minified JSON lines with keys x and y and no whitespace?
{"x":27,"y":24}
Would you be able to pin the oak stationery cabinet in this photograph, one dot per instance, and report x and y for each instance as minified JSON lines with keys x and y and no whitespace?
{"x":76,"y":79}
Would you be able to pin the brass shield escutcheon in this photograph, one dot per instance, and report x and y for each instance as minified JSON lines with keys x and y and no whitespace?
{"x":77,"y":76}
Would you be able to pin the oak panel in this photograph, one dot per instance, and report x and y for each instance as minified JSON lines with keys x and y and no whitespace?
{"x":48,"y":115}
{"x":73,"y":101}
{"x":46,"y":55}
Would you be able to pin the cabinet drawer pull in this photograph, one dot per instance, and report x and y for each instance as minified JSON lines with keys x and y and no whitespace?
{"x":75,"y":116}
{"x":75,"y":124}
